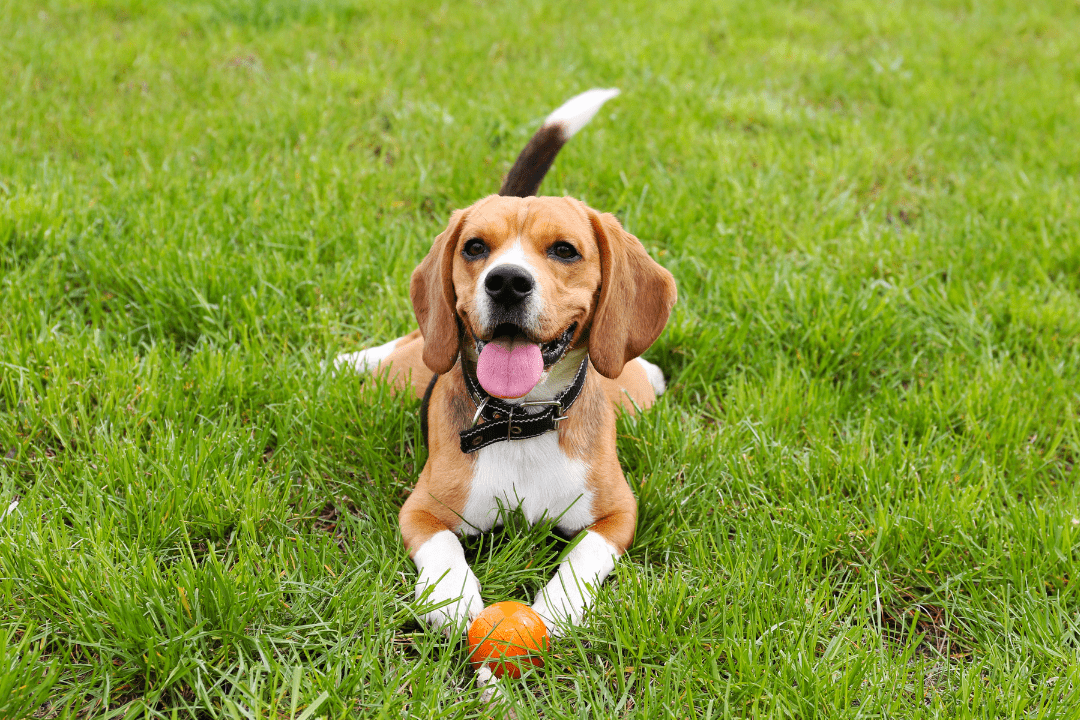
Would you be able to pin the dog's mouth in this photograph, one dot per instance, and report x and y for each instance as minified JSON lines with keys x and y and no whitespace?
{"x":511,"y":364}
{"x":551,"y":351}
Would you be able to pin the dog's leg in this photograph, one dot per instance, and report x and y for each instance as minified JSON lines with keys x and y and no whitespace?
{"x":637,"y":387}
{"x":400,"y":360}
{"x":364,"y":361}
{"x":445,"y":578}
{"x":404,"y":350}
{"x":564,"y":600}
{"x":655,"y":375}
{"x":441,"y":564}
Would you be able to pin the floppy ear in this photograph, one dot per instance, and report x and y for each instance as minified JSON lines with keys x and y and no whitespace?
{"x":636,"y":296}
{"x":432,"y":291}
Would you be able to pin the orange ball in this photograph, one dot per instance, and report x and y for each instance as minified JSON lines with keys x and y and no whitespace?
{"x":506,"y":636}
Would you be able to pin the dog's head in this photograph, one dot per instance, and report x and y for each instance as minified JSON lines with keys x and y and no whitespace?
{"x":545,"y":271}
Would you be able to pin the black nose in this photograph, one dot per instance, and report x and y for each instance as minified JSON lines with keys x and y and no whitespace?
{"x":508,"y":284}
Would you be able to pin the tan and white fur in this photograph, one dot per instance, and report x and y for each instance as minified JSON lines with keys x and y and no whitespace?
{"x":615,"y":299}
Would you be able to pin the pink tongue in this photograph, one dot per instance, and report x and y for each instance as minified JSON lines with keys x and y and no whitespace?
{"x":509,"y":367}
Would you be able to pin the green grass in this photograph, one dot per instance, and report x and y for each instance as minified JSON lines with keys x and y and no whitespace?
{"x":858,"y":499}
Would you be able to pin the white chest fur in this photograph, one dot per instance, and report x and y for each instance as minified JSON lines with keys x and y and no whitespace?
{"x":532,"y":474}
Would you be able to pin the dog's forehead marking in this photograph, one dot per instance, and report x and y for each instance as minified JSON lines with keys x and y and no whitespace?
{"x":514,"y":254}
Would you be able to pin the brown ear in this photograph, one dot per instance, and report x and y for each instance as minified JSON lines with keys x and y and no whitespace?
{"x":636,"y":296}
{"x":432,"y":291}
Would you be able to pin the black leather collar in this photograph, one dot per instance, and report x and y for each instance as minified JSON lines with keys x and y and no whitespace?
{"x":503,"y":421}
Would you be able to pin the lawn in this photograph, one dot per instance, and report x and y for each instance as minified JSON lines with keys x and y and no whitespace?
{"x":859,"y":497}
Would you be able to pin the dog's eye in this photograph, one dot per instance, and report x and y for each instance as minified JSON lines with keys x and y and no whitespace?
{"x":474,"y":248}
{"x":563,"y":251}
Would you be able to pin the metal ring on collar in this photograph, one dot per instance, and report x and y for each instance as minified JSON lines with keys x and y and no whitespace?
{"x":479,"y":409}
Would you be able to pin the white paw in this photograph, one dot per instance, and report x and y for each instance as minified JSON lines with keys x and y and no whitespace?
{"x":563,"y":604}
{"x":458,"y":603}
{"x":564,"y":600}
{"x":556,"y":622}
{"x":448,"y":583}
{"x":364,"y":361}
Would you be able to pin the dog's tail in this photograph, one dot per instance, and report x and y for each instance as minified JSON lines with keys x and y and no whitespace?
{"x":535,"y":160}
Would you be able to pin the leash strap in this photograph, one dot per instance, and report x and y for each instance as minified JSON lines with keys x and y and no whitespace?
{"x":503,"y":421}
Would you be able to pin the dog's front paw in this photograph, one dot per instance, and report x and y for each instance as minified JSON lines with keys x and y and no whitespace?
{"x":447,"y":585}
{"x":559,"y":610}
{"x":564,"y":600}
{"x":457,"y":602}
{"x":541,"y":608}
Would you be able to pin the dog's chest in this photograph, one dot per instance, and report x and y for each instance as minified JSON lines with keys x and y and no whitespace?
{"x":533,"y":475}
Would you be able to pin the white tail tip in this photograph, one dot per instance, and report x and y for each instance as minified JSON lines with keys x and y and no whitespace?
{"x":576,"y":112}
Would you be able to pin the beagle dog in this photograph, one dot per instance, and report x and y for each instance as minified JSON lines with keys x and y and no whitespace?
{"x":532,"y":313}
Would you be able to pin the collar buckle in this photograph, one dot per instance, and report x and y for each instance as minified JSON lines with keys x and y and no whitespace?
{"x":557,"y":404}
